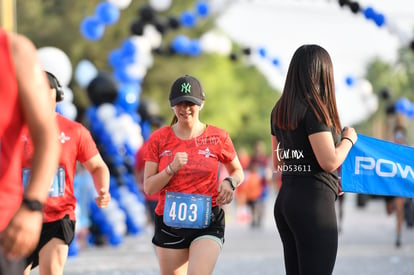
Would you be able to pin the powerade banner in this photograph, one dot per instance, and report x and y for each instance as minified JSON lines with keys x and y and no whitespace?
{"x":379,"y":167}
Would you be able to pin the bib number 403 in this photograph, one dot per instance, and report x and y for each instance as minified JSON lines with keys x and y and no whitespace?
{"x":187,"y":210}
{"x":183,"y":212}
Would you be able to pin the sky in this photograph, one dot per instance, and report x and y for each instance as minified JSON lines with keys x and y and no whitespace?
{"x":281,"y":26}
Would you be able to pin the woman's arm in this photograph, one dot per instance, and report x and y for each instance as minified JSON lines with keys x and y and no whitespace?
{"x":235,"y":171}
{"x":154,"y":181}
{"x":328,"y":156}
{"x":225,"y":188}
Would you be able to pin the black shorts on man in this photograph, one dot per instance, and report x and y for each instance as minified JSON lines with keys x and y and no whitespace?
{"x":63,"y":229}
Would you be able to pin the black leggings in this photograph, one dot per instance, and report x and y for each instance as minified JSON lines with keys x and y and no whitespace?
{"x":306,"y":219}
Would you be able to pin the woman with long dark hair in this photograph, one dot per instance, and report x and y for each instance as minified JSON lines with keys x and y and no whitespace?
{"x":308,"y":147}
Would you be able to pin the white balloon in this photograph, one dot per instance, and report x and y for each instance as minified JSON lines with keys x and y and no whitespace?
{"x":57,"y":62}
{"x":106,"y":112}
{"x":111,"y":125}
{"x":218,"y":6}
{"x":147,"y":60}
{"x":112,"y":206}
{"x":134,"y":131}
{"x":136,"y":71}
{"x":118,"y":138}
{"x":68,"y":110}
{"x":160,"y":5}
{"x":135,"y":142}
{"x":216,"y":42}
{"x":142,"y":43}
{"x":85,"y":72}
{"x":120,"y":228}
{"x":125,"y":121}
{"x":364,"y":87}
{"x":153,"y":35}
{"x":68,"y":94}
{"x":121,"y":4}
{"x":372,"y":103}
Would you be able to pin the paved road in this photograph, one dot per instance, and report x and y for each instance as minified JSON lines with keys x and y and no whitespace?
{"x":366,"y":246}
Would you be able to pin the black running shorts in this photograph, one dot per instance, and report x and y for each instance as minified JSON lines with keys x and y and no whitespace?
{"x":63,"y":229}
{"x":179,"y":238}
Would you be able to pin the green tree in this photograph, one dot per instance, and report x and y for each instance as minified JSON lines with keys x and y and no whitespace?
{"x":397,"y":79}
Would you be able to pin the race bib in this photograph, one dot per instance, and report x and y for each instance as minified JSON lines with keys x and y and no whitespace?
{"x":187,"y":210}
{"x":57,"y":188}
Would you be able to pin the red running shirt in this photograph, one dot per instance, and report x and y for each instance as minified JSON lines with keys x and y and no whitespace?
{"x":11,"y":124}
{"x":205,"y":152}
{"x":77,"y":145}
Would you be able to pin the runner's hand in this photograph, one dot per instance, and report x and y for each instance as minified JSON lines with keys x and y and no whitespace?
{"x":226,"y":193}
{"x":103,"y":198}
{"x":180,"y":159}
{"x":22,"y":234}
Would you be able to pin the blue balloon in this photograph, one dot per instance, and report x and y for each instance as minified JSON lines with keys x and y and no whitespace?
{"x":128,"y":48}
{"x":133,"y":228}
{"x":194,"y":48}
{"x":119,"y":60}
{"x":146,"y":129}
{"x":262,"y":52}
{"x":122,"y":75}
{"x":115,"y":58}
{"x":91,"y":113}
{"x":350,"y":81}
{"x":92,"y":28}
{"x":85,"y":73}
{"x":107,"y":12}
{"x":91,"y":239}
{"x":97,"y":216}
{"x":115,"y":239}
{"x":410,"y":111}
{"x":203,"y":9}
{"x":181,"y":44}
{"x":379,"y":19}
{"x":73,"y":248}
{"x":188,"y":19}
{"x":276,"y":62}
{"x":403,"y":105}
{"x":117,"y":160}
{"x":136,"y":117}
{"x":128,"y":97}
{"x":369,"y":13}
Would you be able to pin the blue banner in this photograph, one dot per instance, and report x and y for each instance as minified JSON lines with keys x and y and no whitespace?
{"x":379,"y":167}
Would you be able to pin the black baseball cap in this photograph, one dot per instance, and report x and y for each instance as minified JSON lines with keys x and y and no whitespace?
{"x":186,"y":88}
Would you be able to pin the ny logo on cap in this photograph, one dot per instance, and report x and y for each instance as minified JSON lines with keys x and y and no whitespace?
{"x":186,"y":88}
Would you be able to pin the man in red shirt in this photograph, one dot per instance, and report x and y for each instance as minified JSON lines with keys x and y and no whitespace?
{"x":59,"y":211}
{"x":24,"y":101}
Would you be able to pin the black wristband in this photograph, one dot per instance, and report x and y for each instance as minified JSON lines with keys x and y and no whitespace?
{"x":347,"y":138}
{"x":231,"y":180}
{"x":33,"y":205}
